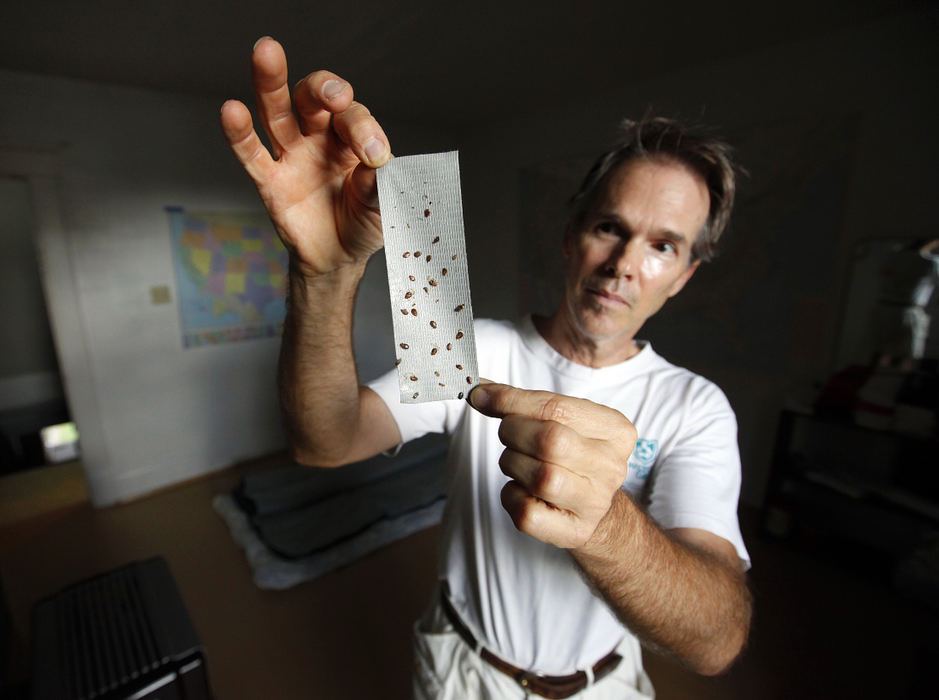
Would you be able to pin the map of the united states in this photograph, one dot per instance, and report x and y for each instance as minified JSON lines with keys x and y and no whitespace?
{"x":231,"y":272}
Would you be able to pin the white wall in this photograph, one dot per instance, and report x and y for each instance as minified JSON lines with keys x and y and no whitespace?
{"x":103,"y":163}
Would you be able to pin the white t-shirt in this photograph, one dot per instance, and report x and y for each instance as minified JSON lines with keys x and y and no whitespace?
{"x":525,"y":600}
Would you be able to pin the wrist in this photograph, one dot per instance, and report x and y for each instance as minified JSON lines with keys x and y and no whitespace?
{"x":608,"y":532}
{"x":305,"y":283}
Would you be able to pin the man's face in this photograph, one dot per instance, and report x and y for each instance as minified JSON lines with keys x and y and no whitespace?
{"x":632,"y":251}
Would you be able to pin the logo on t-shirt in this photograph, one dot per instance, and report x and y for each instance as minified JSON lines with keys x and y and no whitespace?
{"x":643,"y":458}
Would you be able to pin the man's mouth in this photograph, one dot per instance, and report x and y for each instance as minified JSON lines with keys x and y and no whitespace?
{"x":607,"y":298}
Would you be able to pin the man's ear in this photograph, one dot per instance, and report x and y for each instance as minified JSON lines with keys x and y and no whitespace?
{"x":679,"y":284}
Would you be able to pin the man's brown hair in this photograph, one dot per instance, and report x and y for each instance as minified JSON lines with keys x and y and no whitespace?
{"x":655,"y":138}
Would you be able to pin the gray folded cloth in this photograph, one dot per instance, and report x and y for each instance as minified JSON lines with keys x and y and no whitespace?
{"x":302,"y":531}
{"x":295,"y":486}
{"x":272,"y":572}
{"x":298,"y":511}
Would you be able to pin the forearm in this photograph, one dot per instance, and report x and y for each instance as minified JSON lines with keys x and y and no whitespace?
{"x":685,"y":602}
{"x":319,"y":387}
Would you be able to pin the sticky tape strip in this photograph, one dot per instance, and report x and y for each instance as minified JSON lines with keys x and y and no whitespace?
{"x":428,"y":279}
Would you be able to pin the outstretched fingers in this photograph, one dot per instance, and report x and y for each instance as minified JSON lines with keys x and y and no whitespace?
{"x":269,"y":71}
{"x":325,"y":100}
{"x":244,"y":141}
{"x":317,"y":96}
{"x":361,"y":132}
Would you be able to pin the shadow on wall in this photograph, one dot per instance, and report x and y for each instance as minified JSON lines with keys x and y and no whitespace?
{"x":31,"y":394}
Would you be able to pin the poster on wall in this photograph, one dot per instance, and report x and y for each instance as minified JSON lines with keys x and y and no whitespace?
{"x":231,"y":274}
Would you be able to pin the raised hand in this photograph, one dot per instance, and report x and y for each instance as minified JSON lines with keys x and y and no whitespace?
{"x":566,"y":457}
{"x":318,"y":180}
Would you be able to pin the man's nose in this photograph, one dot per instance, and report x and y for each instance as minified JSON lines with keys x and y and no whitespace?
{"x":624,"y":259}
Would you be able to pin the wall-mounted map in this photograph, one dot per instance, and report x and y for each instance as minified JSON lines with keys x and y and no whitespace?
{"x":231,"y":272}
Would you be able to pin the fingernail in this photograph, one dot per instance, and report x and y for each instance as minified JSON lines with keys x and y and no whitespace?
{"x":333,"y":88}
{"x":259,"y":41}
{"x":479,"y":398}
{"x":374,"y":150}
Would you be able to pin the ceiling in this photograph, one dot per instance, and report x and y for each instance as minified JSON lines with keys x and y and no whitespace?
{"x":420,"y":61}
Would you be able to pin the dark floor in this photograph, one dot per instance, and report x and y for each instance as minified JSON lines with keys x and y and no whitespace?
{"x":823,"y":627}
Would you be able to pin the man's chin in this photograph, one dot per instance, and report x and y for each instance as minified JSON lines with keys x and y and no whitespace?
{"x":601,"y":325}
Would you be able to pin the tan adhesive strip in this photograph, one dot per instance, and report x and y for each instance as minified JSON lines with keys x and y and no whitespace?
{"x":428,"y":279}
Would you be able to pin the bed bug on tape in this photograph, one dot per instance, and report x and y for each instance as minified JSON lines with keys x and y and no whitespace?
{"x":433,"y":282}
{"x":414,"y":312}
{"x":459,"y":334}
{"x":413,"y":378}
{"x":436,"y":239}
{"x":460,"y":308}
{"x":433,"y":324}
{"x":403,"y":346}
{"x":406,"y":254}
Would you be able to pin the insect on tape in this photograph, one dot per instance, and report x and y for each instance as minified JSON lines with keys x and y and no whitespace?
{"x":428,"y":280}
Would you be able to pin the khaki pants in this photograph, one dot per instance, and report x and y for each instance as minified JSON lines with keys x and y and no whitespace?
{"x":447,"y":669}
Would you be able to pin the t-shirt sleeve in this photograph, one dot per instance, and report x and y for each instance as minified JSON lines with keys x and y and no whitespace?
{"x":414,"y":419}
{"x":696,"y":483}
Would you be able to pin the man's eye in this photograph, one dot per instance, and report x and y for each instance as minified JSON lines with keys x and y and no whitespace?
{"x":666,"y":247}
{"x":606,"y":227}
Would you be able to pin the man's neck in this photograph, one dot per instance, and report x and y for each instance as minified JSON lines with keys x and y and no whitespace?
{"x":569,"y":342}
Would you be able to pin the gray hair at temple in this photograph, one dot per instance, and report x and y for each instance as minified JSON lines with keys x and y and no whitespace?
{"x":662,"y":138}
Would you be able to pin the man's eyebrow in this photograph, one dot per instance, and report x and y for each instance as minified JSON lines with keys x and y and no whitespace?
{"x":611,"y":216}
{"x":673,"y":237}
{"x":669,"y":235}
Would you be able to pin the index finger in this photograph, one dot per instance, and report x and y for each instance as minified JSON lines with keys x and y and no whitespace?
{"x":589,"y":419}
{"x":318,"y":96}
{"x":325,"y":100}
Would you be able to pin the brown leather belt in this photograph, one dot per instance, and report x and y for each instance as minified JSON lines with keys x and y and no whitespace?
{"x":545,"y":686}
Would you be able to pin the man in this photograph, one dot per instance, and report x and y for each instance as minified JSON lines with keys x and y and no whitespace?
{"x":601,"y":535}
